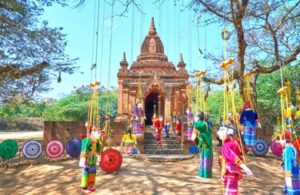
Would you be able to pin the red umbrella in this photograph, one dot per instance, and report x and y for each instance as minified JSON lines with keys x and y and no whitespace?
{"x":111,"y":160}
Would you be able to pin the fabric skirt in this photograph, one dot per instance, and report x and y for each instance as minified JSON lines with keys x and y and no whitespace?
{"x":231,"y":185}
{"x":189,"y":133}
{"x":128,"y":148}
{"x":137,"y":128}
{"x":249,"y":137}
{"x":206,"y":161}
{"x":88,"y":176}
{"x":292,"y":185}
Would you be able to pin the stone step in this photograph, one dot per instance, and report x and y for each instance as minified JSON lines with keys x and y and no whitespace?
{"x":163,"y":141}
{"x":151,"y":136}
{"x":165,"y":146}
{"x":163,"y":151}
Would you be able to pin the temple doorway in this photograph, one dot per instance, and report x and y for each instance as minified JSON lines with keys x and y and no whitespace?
{"x":150,"y":107}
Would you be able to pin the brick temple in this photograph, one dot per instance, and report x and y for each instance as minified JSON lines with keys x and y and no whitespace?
{"x":152,"y":80}
{"x":162,"y":86}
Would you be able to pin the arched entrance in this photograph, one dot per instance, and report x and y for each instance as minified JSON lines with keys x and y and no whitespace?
{"x":151,"y":107}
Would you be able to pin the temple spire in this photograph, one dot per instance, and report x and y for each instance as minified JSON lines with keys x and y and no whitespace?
{"x":124,"y":57}
{"x":152,"y":29}
{"x":181,"y":65}
{"x":181,"y":58}
{"x":124,"y":63}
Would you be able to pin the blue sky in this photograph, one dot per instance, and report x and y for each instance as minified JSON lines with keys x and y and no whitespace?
{"x":175,"y":26}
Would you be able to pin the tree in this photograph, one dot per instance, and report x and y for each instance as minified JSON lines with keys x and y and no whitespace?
{"x":31,"y":52}
{"x":262,"y":31}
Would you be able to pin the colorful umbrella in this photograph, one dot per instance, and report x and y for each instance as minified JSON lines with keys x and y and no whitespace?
{"x":276,"y":148}
{"x":32,"y":149}
{"x":74,"y":147}
{"x":8,"y":149}
{"x":54,"y":149}
{"x":111,"y":160}
{"x":261,"y":147}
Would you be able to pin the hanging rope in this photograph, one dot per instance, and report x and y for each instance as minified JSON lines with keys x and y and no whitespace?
{"x":168,"y":7}
{"x":190,"y":40}
{"x":230,"y":99}
{"x":110,"y":50}
{"x":97,"y":38}
{"x":175,"y":27}
{"x":205,"y":49}
{"x":179,"y":29}
{"x":102,"y":40}
{"x":132,"y":32}
{"x":142,"y":22}
{"x":93,"y":39}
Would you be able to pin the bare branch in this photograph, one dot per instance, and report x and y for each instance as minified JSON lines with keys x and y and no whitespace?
{"x":211,"y":8}
{"x":220,"y":81}
{"x":127,"y":4}
{"x":265,"y":70}
{"x":285,"y":17}
{"x":14,"y":72}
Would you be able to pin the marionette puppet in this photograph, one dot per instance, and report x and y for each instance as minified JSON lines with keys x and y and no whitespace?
{"x":167,"y":130}
{"x":249,"y":120}
{"x":90,"y":153}
{"x":136,"y":127}
{"x":290,"y":116}
{"x":158,"y":130}
{"x":190,"y":125}
{"x":141,"y":115}
{"x":232,"y":163}
{"x":178,"y":130}
{"x":290,"y":166}
{"x":205,"y":146}
{"x":129,"y":142}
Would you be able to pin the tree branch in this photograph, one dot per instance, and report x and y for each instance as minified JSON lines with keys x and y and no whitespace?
{"x":285,"y":17}
{"x":220,"y":81}
{"x":265,"y":70}
{"x":13,"y":72}
{"x":214,"y":11}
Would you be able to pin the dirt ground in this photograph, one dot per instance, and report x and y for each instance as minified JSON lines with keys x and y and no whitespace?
{"x":134,"y":177}
{"x":138,"y":177}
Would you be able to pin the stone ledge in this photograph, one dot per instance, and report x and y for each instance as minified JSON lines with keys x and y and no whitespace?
{"x":164,"y":158}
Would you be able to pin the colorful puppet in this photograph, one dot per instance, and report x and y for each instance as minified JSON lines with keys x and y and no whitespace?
{"x":249,"y":120}
{"x":290,"y":116}
{"x":206,"y":147}
{"x":90,"y":149}
{"x":129,"y":142}
{"x":290,"y":166}
{"x":167,"y":129}
{"x":232,"y":159}
{"x":138,"y":119}
{"x":158,"y":130}
{"x":178,"y":130}
{"x":190,"y":120}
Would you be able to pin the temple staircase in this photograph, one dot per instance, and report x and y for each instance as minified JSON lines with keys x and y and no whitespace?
{"x":168,"y":145}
